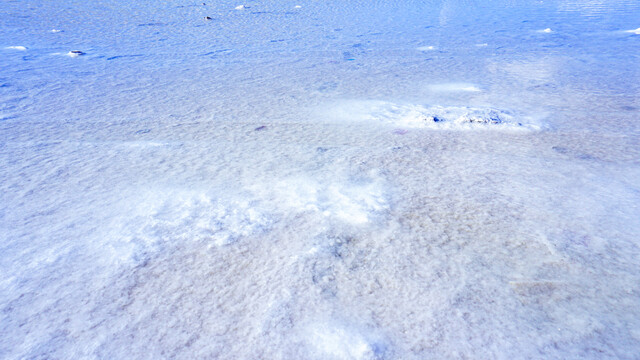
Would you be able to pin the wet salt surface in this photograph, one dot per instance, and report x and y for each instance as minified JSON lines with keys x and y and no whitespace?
{"x":309,"y":185}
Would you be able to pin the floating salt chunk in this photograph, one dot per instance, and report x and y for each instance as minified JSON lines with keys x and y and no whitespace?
{"x":240,"y":7}
{"x":20,"y":48}
{"x":75,"y":53}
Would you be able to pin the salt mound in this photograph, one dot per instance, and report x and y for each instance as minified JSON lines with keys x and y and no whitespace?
{"x":433,"y":117}
{"x":425,"y":117}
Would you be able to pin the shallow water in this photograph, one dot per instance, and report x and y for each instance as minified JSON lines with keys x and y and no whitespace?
{"x":338,"y":180}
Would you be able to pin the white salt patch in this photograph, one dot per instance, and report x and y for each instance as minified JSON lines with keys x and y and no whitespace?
{"x":426,"y":48}
{"x":298,"y":194}
{"x":636,"y":31}
{"x":454,"y":87}
{"x":332,"y":340}
{"x":20,"y":48}
{"x":353,"y":203}
{"x":160,"y":217}
{"x":240,"y":7}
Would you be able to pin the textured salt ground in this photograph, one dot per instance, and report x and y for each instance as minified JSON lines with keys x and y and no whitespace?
{"x":334,"y":278}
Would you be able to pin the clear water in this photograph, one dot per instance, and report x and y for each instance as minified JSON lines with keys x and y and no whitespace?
{"x":286,"y":182}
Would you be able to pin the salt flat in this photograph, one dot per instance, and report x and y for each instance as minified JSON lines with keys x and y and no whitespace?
{"x":334,"y":180}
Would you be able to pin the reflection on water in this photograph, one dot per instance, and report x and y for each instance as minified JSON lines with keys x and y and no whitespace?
{"x":599,"y":8}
